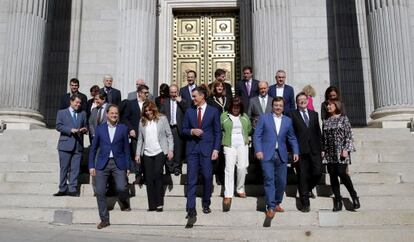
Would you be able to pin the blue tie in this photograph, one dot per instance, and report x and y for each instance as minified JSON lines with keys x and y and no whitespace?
{"x":306,"y":118}
{"x":74,"y":118}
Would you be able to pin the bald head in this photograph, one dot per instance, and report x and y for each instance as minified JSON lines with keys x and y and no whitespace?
{"x":263,"y":88}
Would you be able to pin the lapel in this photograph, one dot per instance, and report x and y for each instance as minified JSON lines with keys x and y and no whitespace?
{"x":272,"y":123}
{"x":299,"y":116}
{"x":167,"y":106}
{"x":106,"y":133}
{"x":204,"y":116}
{"x":76,"y":125}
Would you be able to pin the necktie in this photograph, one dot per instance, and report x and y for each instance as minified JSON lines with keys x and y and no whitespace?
{"x":173,"y":122}
{"x":98,"y":117}
{"x":74,"y":117}
{"x":109,"y":95}
{"x":199,"y":118}
{"x":248,"y":87}
{"x":262,"y":101}
{"x":305,"y":117}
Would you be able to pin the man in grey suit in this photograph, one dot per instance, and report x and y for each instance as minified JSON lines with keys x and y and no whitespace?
{"x":72,"y":125}
{"x":98,"y":113}
{"x":174,"y":108}
{"x":260,"y":104}
{"x":133,"y":95}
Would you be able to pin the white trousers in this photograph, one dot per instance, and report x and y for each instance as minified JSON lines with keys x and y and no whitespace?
{"x":235,"y":156}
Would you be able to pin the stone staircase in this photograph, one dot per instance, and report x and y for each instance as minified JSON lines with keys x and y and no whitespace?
{"x":382,"y":172}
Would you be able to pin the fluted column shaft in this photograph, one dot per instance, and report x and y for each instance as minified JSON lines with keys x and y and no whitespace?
{"x":22,"y":68}
{"x":272,"y":34}
{"x":136,"y":43}
{"x":391,"y":56}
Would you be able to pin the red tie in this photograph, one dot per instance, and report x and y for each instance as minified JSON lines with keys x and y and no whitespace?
{"x":199,"y":118}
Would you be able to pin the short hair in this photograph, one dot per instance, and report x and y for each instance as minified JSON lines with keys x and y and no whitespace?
{"x":142,"y":87}
{"x":94,"y":88}
{"x":332,"y":89}
{"x":280,"y":71}
{"x":300,"y":94}
{"x":151,"y":106}
{"x":309,"y":90}
{"x":278,"y":99}
{"x":338,"y":106}
{"x":74,"y":80}
{"x":173,"y":85}
{"x":74,"y":96}
{"x":215,"y":85}
{"x":107,"y":77}
{"x":248,"y":68}
{"x":236,"y":102}
{"x":102,"y":95}
{"x":195,"y":73}
{"x":201,"y":89}
{"x":219,"y":72}
{"x":112,"y":106}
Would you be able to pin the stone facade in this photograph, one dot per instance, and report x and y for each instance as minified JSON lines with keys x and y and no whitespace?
{"x":364,"y":47}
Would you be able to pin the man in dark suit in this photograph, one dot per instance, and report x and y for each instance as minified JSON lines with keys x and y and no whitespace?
{"x":308,"y":132}
{"x":202,"y":127}
{"x":72,"y":125}
{"x":269,"y":140}
{"x":248,"y":87}
{"x":94,"y":90}
{"x":98,"y":114}
{"x":113,"y":159}
{"x":220,"y":76}
{"x":131,"y":117}
{"x":281,"y":89}
{"x":260,"y":104}
{"x":113,"y":95}
{"x":185,"y":92}
{"x":74,"y":89}
{"x":174,"y":108}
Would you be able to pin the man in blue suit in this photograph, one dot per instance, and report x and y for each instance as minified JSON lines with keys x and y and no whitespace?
{"x":72,"y":125}
{"x":186,"y":91}
{"x":269,"y":140}
{"x":202,"y":127}
{"x":281,"y":89}
{"x":113,"y":159}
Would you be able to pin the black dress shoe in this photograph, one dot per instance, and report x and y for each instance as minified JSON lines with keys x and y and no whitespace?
{"x":312,"y":195}
{"x":355,"y":202}
{"x":73,"y":194}
{"x":60,"y":194}
{"x":177,"y":172}
{"x":206,"y":210}
{"x":151,"y":209}
{"x":305,"y":209}
{"x":337,"y":204}
{"x":159,"y":209}
{"x":191,"y":218}
{"x":103,"y":224}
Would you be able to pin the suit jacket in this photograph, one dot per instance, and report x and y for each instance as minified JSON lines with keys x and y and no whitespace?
{"x":165,"y":138}
{"x":93,"y":119}
{"x":116,"y":96}
{"x":64,"y":124}
{"x":131,"y":115}
{"x":179,"y":114}
{"x":65,"y":101}
{"x":210,"y":124}
{"x":255,"y":108}
{"x":186,"y":94}
{"x":119,"y":147}
{"x":309,"y":137}
{"x":288,"y":95}
{"x":265,"y":137}
{"x":227,"y":87}
{"x":241,"y":91}
{"x":221,"y":108}
{"x":89,"y":104}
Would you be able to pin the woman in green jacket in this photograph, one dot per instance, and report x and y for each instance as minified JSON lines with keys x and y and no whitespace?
{"x":236,"y":128}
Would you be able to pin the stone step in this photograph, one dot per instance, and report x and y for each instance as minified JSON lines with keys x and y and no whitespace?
{"x":29,"y":167}
{"x":179,"y":203}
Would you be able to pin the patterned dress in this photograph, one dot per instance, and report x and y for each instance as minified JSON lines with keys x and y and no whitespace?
{"x":337,"y":136}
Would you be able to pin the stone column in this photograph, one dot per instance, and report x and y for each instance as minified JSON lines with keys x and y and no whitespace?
{"x":391,"y":59}
{"x":272,"y":35}
{"x":245,"y":27}
{"x":136,"y":44}
{"x":22,"y":68}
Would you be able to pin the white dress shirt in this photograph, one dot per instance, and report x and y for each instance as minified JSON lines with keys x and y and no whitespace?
{"x":279,"y":91}
{"x":278,"y":123}
{"x":111,"y":131}
{"x":151,"y":144}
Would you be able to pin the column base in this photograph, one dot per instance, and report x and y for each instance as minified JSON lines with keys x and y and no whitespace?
{"x":25,"y":120}
{"x":400,"y":117}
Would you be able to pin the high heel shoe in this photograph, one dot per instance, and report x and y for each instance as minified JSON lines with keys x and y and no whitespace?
{"x":337,"y":204}
{"x":355,"y":202}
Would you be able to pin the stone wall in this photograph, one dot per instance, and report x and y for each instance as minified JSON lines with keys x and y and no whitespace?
{"x":4,"y":15}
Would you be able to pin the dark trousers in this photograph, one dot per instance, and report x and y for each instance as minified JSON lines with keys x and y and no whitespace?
{"x":197,"y":163}
{"x":153,"y":176}
{"x":101,"y":180}
{"x":336,"y":170}
{"x":308,"y":170}
{"x":69,"y":162}
{"x":179,"y":147}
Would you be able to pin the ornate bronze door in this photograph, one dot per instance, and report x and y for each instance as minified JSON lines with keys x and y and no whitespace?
{"x":204,"y":42}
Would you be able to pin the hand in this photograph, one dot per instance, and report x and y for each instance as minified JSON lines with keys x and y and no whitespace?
{"x":295,"y":158}
{"x":344,"y":153}
{"x":83,"y":130}
{"x":138,"y":159}
{"x":170,"y":155}
{"x":197,"y":132}
{"x":92,"y":172}
{"x":259,"y":155}
{"x":128,"y":172}
{"x":178,"y":99}
{"x":132,"y":133}
{"x":214,"y":155}
{"x":74,"y":131}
